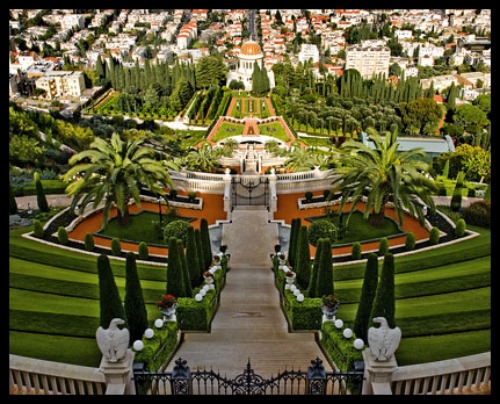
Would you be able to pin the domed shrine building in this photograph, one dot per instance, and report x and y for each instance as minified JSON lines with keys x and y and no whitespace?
{"x":250,"y":53}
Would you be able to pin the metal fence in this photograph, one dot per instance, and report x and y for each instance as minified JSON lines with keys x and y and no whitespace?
{"x":314,"y":381}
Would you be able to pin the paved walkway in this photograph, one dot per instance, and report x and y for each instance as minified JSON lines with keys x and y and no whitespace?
{"x":249,"y":323}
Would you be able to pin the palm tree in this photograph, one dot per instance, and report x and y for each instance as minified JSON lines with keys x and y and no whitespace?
{"x":202,"y":159}
{"x":302,"y":159}
{"x":115,"y":171}
{"x":384,"y":175}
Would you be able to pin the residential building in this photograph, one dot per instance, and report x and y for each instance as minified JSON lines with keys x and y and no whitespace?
{"x":62,"y":84}
{"x":368,"y":60}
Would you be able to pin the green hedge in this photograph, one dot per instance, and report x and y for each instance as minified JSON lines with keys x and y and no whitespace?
{"x":50,"y":187}
{"x":306,"y":315}
{"x":340,"y":349}
{"x":158,"y":349}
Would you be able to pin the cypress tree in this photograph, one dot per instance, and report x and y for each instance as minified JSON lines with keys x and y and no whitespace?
{"x":109,"y":299}
{"x":175,"y":285}
{"x":384,"y":303}
{"x":383,"y":246}
{"x":410,"y":241}
{"x":134,"y":306}
{"x":456,"y":199}
{"x":446,"y":169}
{"x":41,"y":200}
{"x":199,"y":248}
{"x":292,"y":244}
{"x":62,"y":235}
{"x":37,"y":228}
{"x":303,"y":259}
{"x":356,"y":250}
{"x":205,"y":243}
{"x":311,"y":291}
{"x":186,"y":279}
{"x":324,"y":283}
{"x":12,"y":201}
{"x":370,"y":282}
{"x":192,"y":258}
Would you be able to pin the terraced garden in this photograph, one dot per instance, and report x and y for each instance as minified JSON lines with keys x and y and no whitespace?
{"x":443,"y":300}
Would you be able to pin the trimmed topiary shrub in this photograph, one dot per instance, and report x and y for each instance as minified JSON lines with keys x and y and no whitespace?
{"x":434,"y":236}
{"x":384,"y":302}
{"x":134,"y":306}
{"x":37,"y":228}
{"x":356,"y":250}
{"x":62,"y":235}
{"x":410,"y":241}
{"x":370,"y":282}
{"x":460,"y":228}
{"x":478,"y":214}
{"x":176,"y":229}
{"x":303,"y":259}
{"x":110,"y":303}
{"x":116,"y":248}
{"x":143,"y":251}
{"x":89,"y":242}
{"x":383,"y":246}
{"x":40,"y":194}
{"x":173,"y":194}
{"x":321,"y":229}
{"x":456,"y":198}
{"x":191,"y":196}
{"x":309,"y":196}
{"x":326,"y":194}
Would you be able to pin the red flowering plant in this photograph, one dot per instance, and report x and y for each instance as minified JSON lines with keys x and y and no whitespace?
{"x":208,"y":274}
{"x":166,"y":301}
{"x":330,"y":301}
{"x":289,"y":273}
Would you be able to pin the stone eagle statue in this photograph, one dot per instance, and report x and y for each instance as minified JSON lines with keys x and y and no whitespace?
{"x":113,"y":341}
{"x":383,"y":341}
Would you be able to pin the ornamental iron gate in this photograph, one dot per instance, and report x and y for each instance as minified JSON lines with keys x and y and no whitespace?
{"x":315,"y":381}
{"x":250,"y":191}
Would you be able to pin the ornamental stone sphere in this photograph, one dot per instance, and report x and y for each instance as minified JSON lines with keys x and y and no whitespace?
{"x":347,"y":333}
{"x":358,"y":343}
{"x":138,"y":345}
{"x":149,"y":333}
{"x":158,"y":323}
{"x":339,"y":323}
{"x":300,"y":297}
{"x":198,"y":297}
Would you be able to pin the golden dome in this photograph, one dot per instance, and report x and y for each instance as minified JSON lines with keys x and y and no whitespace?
{"x":250,"y":48}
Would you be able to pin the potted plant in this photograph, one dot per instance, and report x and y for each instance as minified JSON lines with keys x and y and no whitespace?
{"x":167,"y":305}
{"x":290,"y":277}
{"x":223,"y":248}
{"x":209,"y":277}
{"x":329,"y":306}
{"x":282,"y":258}
{"x":277,"y":248}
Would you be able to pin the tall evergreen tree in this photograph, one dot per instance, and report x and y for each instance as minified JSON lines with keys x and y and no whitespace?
{"x":456,"y":198}
{"x":186,"y":277}
{"x":40,"y":194}
{"x":199,"y":247}
{"x":192,"y":258}
{"x":175,"y":284}
{"x":109,"y":298}
{"x":135,"y":308}
{"x":205,"y":243}
{"x":292,"y":243}
{"x":370,"y":282}
{"x":311,"y":291}
{"x":384,"y":303}
{"x":303,"y":259}
{"x":324,"y":283}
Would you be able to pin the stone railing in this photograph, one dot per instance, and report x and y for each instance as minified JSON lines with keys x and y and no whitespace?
{"x":466,"y":375}
{"x":35,"y":376}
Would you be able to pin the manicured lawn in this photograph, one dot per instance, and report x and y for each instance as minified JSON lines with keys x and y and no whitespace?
{"x":443,"y":301}
{"x":360,"y":229}
{"x":228,"y":129}
{"x":274,"y":129}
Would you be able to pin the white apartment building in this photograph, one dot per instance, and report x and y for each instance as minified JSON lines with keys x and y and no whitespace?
{"x":368,"y":60}
{"x":62,"y":83}
{"x":308,"y":51}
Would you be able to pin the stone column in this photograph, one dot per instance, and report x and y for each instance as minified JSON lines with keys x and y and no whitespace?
{"x":119,"y":375}
{"x":273,"y":197}
{"x":378,"y":374}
